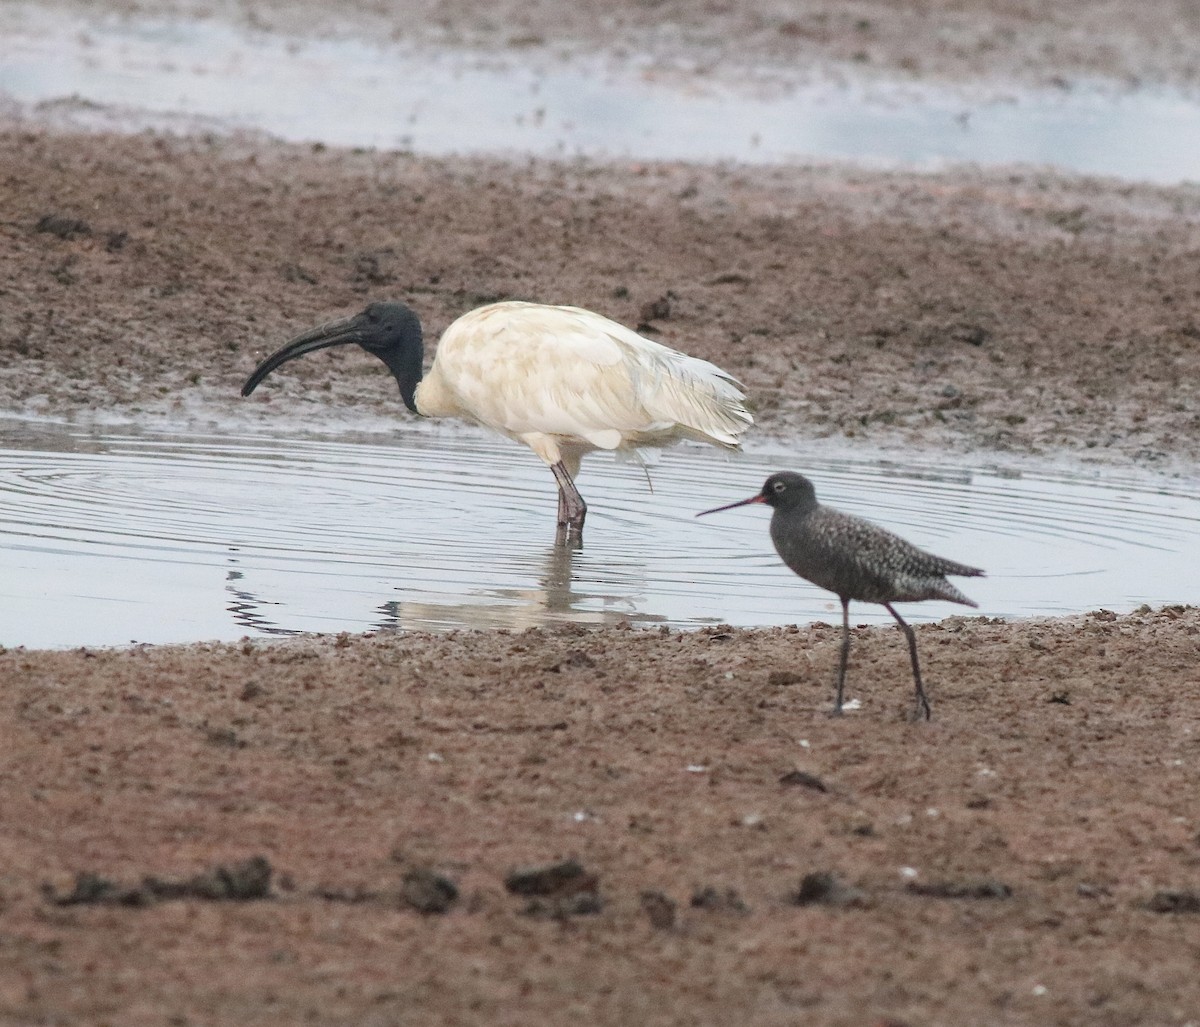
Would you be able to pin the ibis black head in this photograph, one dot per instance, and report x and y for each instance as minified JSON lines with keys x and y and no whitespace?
{"x":784,"y":490}
{"x":389,"y":330}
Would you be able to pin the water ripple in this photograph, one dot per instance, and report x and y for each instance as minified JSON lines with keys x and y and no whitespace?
{"x":116,"y":537}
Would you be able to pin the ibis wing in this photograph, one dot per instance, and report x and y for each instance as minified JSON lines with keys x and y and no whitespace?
{"x":528,"y":368}
{"x":684,"y":391}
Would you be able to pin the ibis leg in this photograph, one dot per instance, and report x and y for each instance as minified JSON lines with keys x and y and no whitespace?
{"x":841,"y":682}
{"x":571,"y":507}
{"x":923,"y":709}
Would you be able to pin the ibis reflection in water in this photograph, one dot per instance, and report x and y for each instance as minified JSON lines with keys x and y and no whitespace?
{"x":561,"y":380}
{"x":553,"y":594}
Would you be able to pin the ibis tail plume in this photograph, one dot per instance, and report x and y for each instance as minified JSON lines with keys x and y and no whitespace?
{"x":561,"y":380}
{"x":854,"y":559}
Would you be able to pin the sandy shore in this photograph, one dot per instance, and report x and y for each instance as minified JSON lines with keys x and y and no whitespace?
{"x":1030,"y":857}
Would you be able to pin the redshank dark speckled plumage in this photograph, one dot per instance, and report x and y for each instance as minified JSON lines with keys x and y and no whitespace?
{"x":854,"y":559}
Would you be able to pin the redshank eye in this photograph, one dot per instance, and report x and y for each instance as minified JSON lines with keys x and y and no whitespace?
{"x":778,"y":486}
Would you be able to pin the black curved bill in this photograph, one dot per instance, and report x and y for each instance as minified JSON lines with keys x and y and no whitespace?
{"x":335,"y":333}
{"x":756,"y":498}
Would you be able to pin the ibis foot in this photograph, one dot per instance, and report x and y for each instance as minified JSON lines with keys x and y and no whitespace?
{"x":571,"y":508}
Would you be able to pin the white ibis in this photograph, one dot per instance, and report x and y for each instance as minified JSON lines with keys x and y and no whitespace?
{"x":562,"y":380}
{"x":854,"y":559}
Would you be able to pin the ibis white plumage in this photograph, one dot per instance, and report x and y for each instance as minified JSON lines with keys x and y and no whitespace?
{"x":561,"y":380}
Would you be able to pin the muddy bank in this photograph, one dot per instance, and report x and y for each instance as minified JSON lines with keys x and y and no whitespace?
{"x":968,"y":310}
{"x":619,"y":826}
{"x":268,"y":820}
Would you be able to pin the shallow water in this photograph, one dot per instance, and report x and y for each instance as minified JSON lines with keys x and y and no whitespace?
{"x":116,"y":536}
{"x":130,"y":73}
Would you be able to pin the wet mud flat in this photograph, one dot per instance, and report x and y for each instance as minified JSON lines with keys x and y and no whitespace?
{"x":604,"y":824}
{"x":996,"y":311}
{"x":614,"y":824}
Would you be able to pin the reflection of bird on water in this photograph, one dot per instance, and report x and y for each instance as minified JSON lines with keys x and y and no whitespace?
{"x":561,"y":380}
{"x":854,"y":559}
{"x":552,"y":600}
{"x":245,"y":607}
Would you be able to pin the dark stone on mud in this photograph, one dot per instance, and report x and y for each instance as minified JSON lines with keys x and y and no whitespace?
{"x":89,"y":887}
{"x":558,"y":890}
{"x":660,"y":909}
{"x":986,"y":888}
{"x":1187,"y":901}
{"x":564,"y":878}
{"x":731,"y":278}
{"x":970,"y":332}
{"x":223,"y":736}
{"x":427,"y":891}
{"x":803,"y":779}
{"x":782,"y":678}
{"x":252,"y":690}
{"x":237,"y":882}
{"x":62,"y":226}
{"x":657,"y":309}
{"x":823,"y":888}
{"x":92,"y":889}
{"x":727,"y":901}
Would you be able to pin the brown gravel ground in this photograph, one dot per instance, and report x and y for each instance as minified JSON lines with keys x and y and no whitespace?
{"x":1053,"y":797}
{"x":1048,"y":815}
{"x":970,"y":310}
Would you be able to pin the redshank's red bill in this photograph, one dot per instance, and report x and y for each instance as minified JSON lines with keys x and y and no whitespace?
{"x":854,"y":559}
